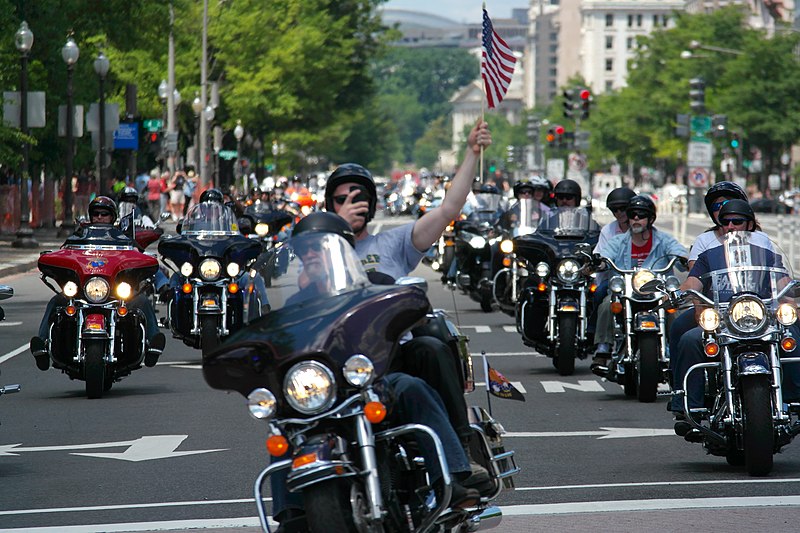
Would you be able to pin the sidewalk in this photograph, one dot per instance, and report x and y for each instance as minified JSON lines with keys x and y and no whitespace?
{"x":16,"y":260}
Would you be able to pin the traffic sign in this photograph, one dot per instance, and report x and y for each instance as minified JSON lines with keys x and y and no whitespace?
{"x":227,"y":155}
{"x":698,"y":177}
{"x":701,"y":154}
{"x":153,"y":125}
{"x":126,"y":137}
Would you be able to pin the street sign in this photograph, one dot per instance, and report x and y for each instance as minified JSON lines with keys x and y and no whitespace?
{"x":35,"y":109}
{"x":126,"y":137}
{"x":77,"y":121}
{"x":698,"y":177}
{"x":227,"y":155}
{"x":775,"y":182}
{"x":111,"y":117}
{"x":153,"y":125}
{"x":701,"y":154}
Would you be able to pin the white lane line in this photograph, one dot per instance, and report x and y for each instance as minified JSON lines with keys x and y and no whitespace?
{"x":129,"y":506}
{"x":5,"y":324}
{"x":16,"y":352}
{"x":506,"y":354}
{"x":510,"y":329}
{"x":169,"y":525}
{"x":660,"y":484}
{"x":478,"y":329}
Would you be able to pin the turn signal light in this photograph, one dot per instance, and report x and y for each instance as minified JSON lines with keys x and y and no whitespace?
{"x":70,"y":310}
{"x":122,"y":310}
{"x":788,"y":344}
{"x":187,"y":288}
{"x":375,"y":412}
{"x":277,"y":445}
{"x":616,"y":307}
{"x":671,"y":310}
{"x":506,"y":261}
{"x":303,"y":460}
{"x":712,"y":349}
{"x":593,"y":287}
{"x":233,"y":288}
{"x":542,"y":287}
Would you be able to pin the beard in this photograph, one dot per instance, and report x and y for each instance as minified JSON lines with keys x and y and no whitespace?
{"x":637,"y":229}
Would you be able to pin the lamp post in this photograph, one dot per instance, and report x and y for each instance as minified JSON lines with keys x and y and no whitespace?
{"x":163,"y":93}
{"x":23,"y":39}
{"x":206,"y":119}
{"x":259,"y":148}
{"x":70,"y":54}
{"x":101,"y":66}
{"x":197,"y":108}
{"x":238,"y":132}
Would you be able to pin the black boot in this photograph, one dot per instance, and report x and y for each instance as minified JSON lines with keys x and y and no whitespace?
{"x":478,"y":477}
{"x":154,"y":349}
{"x":39,"y":351}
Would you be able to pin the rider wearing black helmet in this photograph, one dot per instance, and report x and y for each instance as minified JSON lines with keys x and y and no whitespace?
{"x":616,"y":202}
{"x":568,"y":193}
{"x":129,"y":203}
{"x":102,"y":210}
{"x":212,"y":195}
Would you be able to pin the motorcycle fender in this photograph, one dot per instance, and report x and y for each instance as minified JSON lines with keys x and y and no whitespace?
{"x":95,"y":325}
{"x":753,"y":363}
{"x":646,"y":321}
{"x":318,"y":459}
{"x":567,"y":305}
{"x":208,"y":303}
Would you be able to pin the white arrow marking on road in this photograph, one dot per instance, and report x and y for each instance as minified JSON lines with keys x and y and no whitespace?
{"x":604,"y":433}
{"x":142,"y":449}
{"x":510,"y":329}
{"x":517,"y":385}
{"x":478,"y":329}
{"x":582,"y":386}
{"x":5,"y":324}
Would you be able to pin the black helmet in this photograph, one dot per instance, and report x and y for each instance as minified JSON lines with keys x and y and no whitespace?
{"x":325,"y":222}
{"x":212,"y":195}
{"x":129,"y":194}
{"x":642,"y":203}
{"x":532,"y":183}
{"x":723,"y":188}
{"x":489,"y":189}
{"x":351,"y":173}
{"x":619,"y":198}
{"x":103,"y":203}
{"x":568,"y":187}
{"x":737,"y":207}
{"x":477,"y":183}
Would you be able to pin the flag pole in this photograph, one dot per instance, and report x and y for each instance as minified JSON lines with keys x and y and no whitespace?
{"x":486,"y":378}
{"x":483,"y":100}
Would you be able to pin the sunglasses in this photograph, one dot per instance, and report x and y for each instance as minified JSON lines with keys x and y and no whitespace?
{"x":303,"y":249}
{"x":641,"y":215}
{"x":102,"y":214}
{"x":716,"y":206}
{"x":734,"y":221}
{"x":617,"y":209}
{"x":565,"y":196}
{"x":526,"y":192}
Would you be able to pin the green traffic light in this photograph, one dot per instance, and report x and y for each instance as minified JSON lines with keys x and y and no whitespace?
{"x":735,"y":143}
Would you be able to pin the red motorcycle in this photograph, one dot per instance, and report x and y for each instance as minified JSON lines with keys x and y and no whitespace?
{"x":97,"y":330}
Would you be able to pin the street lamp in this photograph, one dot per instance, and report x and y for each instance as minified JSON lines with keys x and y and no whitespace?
{"x":238,"y":132}
{"x":101,"y":66}
{"x":70,"y":54}
{"x":197,"y":108}
{"x":23,"y":39}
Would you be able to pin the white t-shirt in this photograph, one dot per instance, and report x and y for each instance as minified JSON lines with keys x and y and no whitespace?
{"x":609,"y":230}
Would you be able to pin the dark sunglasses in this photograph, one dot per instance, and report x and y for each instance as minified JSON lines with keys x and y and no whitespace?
{"x":734,"y":221}
{"x":565,"y":196}
{"x":303,"y":249}
{"x":102,"y":214}
{"x":526,"y":192}
{"x":641,"y":215}
{"x":617,"y":209}
{"x":716,"y":206}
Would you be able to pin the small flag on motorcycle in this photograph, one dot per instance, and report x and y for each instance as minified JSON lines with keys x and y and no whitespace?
{"x":498,"y":385}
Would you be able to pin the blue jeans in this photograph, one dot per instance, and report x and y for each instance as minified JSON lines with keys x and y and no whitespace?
{"x":690,"y":352}
{"x":415,"y":402}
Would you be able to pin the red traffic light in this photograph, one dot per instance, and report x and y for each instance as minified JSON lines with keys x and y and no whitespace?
{"x":559,"y":130}
{"x":153,"y":137}
{"x":585,"y":94}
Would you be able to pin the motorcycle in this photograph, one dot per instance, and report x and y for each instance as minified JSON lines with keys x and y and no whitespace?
{"x":6,"y":292}
{"x":95,"y":336}
{"x":476,"y":241}
{"x":508,"y":270}
{"x":640,"y":361}
{"x":312,"y":370}
{"x":748,"y":322}
{"x":557,"y":283}
{"x":212,"y":293}
{"x":270,"y":226}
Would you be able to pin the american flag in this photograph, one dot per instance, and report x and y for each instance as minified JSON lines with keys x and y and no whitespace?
{"x":497,"y":63}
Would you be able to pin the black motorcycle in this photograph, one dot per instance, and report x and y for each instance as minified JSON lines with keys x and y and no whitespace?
{"x":212,"y":286}
{"x":557,"y":286}
{"x":476,"y":241}
{"x":271,"y":226}
{"x":313,"y":370}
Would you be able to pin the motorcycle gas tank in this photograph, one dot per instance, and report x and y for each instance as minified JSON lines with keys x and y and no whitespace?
{"x":78,"y":265}
{"x":368,"y":321}
{"x":190,"y":248}
{"x":537,"y":247}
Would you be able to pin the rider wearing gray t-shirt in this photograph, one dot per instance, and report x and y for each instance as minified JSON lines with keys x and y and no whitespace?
{"x":379,"y":253}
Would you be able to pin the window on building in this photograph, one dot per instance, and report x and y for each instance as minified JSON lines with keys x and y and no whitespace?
{"x":609,"y":42}
{"x":630,"y":43}
{"x":655,"y":21}
{"x":609,"y":65}
{"x":639,"y":20}
{"x":552,"y":60}
{"x":553,"y":72}
{"x":554,"y":36}
{"x":609,"y":86}
{"x":554,"y":48}
{"x":609,"y":20}
{"x":665,"y":20}
{"x":630,"y":21}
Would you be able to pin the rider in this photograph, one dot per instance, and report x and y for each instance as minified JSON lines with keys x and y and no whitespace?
{"x":414,"y":400}
{"x":641,"y":246}
{"x":102,"y":210}
{"x":616,"y":202}
{"x":129,"y":203}
{"x":532,"y":189}
{"x":734,"y":215}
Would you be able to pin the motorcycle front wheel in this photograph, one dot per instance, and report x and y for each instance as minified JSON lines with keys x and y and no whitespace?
{"x":567,"y":332}
{"x":209,"y":337}
{"x":758,"y":436}
{"x":94,"y":369}
{"x":335,"y":505}
{"x":648,"y":371}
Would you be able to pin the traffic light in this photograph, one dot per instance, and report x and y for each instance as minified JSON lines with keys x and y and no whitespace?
{"x":569,"y":103}
{"x":735,"y":141}
{"x":682,"y":128}
{"x":154,"y":142}
{"x":510,"y":154}
{"x":557,"y":136}
{"x":719,"y":125}
{"x":551,"y":136}
{"x":586,"y":102}
{"x":697,"y":95}
{"x":533,"y":128}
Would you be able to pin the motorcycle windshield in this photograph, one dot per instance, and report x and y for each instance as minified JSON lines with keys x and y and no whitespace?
{"x":101,"y":236}
{"x":313,"y":266}
{"x":210,"y":218}
{"x":259,"y":207}
{"x":568,"y":222}
{"x":529,"y":216}
{"x":743,"y":262}
{"x":486,"y":207}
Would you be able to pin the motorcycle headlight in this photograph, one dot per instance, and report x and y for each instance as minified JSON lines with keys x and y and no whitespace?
{"x":786,"y":314}
{"x":70,"y":289}
{"x":358,"y":370}
{"x":186,"y":270}
{"x":709,"y":319}
{"x":642,"y":277}
{"x":477,"y":242}
{"x":542,"y":269}
{"x":616,"y":284}
{"x":210,"y":269}
{"x":568,"y":270}
{"x":96,"y":290}
{"x":124,"y":291}
{"x":262,"y":404}
{"x":747,"y":314}
{"x":507,"y":246}
{"x":232,"y":269}
{"x":672,"y":284}
{"x":262,"y":229}
{"x":309,"y":387}
{"x":306,"y":209}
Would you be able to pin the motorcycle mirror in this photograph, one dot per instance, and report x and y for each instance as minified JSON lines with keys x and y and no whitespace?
{"x":653,"y":286}
{"x":179,"y":227}
{"x":245,"y":225}
{"x":422,"y":283}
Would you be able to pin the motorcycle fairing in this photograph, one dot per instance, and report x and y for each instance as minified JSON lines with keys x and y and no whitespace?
{"x":79,"y":265}
{"x":191,"y":249}
{"x":369,"y":320}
